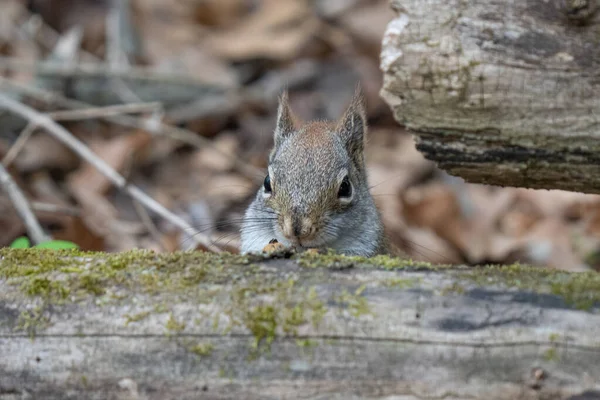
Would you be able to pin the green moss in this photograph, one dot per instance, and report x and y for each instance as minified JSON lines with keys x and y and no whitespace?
{"x":262,"y":322}
{"x":264,"y":301}
{"x":579,"y":289}
{"x":44,"y":287}
{"x":201,"y":349}
{"x":391,"y":263}
{"x":316,"y":306}
{"x":91,"y":284}
{"x":55,"y":275}
{"x":173,"y":325}
{"x":401,"y":283}
{"x":160,"y":308}
{"x":268,"y":309}
{"x":551,"y":354}
{"x":327,"y":260}
{"x":337,"y":261}
{"x":136,"y":317}
{"x":455,"y":287}
{"x":355,"y":303}
{"x":31,"y":321}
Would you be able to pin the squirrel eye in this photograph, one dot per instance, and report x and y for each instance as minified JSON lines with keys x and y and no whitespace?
{"x":267,"y":184}
{"x":345,"y":190}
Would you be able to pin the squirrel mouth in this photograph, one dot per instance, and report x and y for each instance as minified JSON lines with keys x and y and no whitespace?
{"x":295,"y":243}
{"x":300,"y":243}
{"x":303,"y":244}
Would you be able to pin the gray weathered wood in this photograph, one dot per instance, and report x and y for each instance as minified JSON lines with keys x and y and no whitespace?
{"x":409,"y":333}
{"x":500,"y":92}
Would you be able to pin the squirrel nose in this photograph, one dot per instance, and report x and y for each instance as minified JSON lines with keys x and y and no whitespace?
{"x":298,"y":228}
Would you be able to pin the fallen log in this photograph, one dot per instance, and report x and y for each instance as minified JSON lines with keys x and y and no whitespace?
{"x":140,"y":325}
{"x":500,"y":92}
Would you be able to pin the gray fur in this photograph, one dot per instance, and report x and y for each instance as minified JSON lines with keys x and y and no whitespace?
{"x":305,"y":166}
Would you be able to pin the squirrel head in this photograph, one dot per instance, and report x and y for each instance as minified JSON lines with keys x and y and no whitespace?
{"x":317,"y":182}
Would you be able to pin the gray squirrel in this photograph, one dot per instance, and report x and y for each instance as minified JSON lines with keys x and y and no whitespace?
{"x":315,"y":194}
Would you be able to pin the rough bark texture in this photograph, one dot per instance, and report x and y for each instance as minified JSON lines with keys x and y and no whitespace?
{"x":500,"y":92}
{"x":186,"y":326}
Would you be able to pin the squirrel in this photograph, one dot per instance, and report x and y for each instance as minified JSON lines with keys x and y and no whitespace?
{"x":315,"y":194}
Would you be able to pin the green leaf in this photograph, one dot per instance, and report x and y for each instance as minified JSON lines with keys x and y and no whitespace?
{"x":57,"y":245}
{"x":21,"y":243}
{"x":24,"y":243}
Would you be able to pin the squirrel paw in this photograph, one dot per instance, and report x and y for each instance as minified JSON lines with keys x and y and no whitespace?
{"x":273,"y":246}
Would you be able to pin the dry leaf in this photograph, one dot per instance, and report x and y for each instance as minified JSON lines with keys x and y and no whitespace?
{"x":11,"y":226}
{"x":333,"y":8}
{"x":42,"y":151}
{"x":116,"y":152}
{"x":186,"y":62}
{"x":423,"y":244}
{"x":62,"y":15}
{"x":75,"y":230}
{"x":278,"y":29}
{"x":45,"y":189}
{"x":220,"y":13}
{"x":89,"y":186}
{"x":219,"y":158}
{"x":549,"y":243}
{"x":368,"y":23}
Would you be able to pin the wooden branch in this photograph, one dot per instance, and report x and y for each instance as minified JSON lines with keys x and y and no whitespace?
{"x":18,"y":145}
{"x":88,"y":82}
{"x":160,"y":128}
{"x":20,"y":203}
{"x":186,"y":326}
{"x":61,"y":134}
{"x":75,"y":115}
{"x":101,"y":112}
{"x":52,"y":208}
{"x":499,"y":92}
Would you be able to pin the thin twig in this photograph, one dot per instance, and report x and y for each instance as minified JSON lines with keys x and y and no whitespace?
{"x":16,"y":148}
{"x":115,"y":54}
{"x":148,"y":223}
{"x":73,"y":115}
{"x":40,"y":206}
{"x":34,"y":229}
{"x":101,"y":112}
{"x":179,"y":134}
{"x":59,"y":69}
{"x":117,"y":179}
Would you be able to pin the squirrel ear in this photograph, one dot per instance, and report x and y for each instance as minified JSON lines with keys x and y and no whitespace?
{"x":285,"y":120}
{"x":352,"y":127}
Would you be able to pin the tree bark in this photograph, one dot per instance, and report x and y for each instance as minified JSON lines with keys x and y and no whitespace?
{"x":187,"y":328}
{"x":500,"y":92}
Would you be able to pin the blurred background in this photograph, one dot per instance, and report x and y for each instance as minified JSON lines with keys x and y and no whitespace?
{"x":179,"y":97}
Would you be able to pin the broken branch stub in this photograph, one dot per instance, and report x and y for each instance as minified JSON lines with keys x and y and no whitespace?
{"x":504,"y":93}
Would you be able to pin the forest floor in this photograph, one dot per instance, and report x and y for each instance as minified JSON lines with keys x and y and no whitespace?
{"x":179,"y":98}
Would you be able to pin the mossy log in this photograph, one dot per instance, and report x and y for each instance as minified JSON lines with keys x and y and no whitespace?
{"x":500,"y":92}
{"x":195,"y":325}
